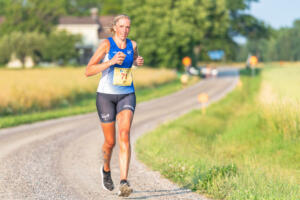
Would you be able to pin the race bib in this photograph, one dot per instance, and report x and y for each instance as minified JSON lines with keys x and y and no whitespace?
{"x":122,"y":76}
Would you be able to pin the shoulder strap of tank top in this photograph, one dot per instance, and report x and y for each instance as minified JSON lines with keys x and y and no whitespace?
{"x":112,"y":43}
{"x":129,"y":44}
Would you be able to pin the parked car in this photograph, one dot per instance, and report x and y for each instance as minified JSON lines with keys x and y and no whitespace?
{"x":207,"y":71}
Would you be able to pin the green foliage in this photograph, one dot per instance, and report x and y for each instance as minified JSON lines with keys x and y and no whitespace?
{"x":237,"y":5}
{"x":42,"y":16}
{"x":284,"y":44}
{"x":3,"y":5}
{"x":81,"y":8}
{"x":249,"y":27}
{"x":206,"y":179}
{"x":227,"y":153}
{"x":65,"y":7}
{"x":57,"y":46}
{"x":22,"y":45}
{"x":169,"y":30}
{"x":60,"y":46}
{"x":111,"y":7}
{"x":240,"y":24}
{"x":31,"y":16}
{"x":5,"y":55}
{"x":245,"y":24}
{"x":166,"y":31}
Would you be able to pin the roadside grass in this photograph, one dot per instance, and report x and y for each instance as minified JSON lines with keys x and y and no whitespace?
{"x":232,"y":152}
{"x":88,"y":104}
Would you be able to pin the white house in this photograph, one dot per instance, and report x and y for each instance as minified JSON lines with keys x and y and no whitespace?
{"x":92,"y":28}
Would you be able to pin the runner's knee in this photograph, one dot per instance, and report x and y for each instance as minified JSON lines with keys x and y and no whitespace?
{"x":124,"y":138}
{"x":109,"y":144}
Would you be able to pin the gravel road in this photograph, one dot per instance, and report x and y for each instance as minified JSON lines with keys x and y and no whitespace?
{"x":61,"y":158}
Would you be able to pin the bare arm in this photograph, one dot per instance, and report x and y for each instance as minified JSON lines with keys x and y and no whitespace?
{"x":136,"y":52}
{"x":93,"y":67}
{"x":137,"y":60}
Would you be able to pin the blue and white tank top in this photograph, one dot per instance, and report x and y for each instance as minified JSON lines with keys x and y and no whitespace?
{"x":117,"y":79}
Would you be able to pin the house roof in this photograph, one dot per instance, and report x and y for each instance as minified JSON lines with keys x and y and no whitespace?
{"x":104,"y":20}
{"x":106,"y":23}
{"x":76,"y":20}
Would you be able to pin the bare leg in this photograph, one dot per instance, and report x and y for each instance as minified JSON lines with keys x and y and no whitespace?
{"x":124,"y":119}
{"x":109,"y":143}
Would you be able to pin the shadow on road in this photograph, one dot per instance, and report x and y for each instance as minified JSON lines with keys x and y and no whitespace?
{"x":164,"y":193}
{"x":228,"y":73}
{"x":235,"y":72}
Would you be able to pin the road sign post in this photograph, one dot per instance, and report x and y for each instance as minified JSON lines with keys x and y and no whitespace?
{"x":203,"y":99}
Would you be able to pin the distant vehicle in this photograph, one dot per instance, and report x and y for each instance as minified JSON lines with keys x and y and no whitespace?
{"x":203,"y":71}
{"x":193,"y":71}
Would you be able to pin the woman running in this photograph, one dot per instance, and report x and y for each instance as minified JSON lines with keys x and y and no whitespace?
{"x":116,"y":99}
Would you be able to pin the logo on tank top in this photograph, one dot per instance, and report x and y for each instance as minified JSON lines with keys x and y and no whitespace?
{"x":129,"y":52}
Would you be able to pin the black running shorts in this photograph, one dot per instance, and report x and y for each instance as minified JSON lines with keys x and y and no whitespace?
{"x":109,"y":105}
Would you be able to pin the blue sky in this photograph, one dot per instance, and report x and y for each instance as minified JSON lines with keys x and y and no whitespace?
{"x":277,"y":13}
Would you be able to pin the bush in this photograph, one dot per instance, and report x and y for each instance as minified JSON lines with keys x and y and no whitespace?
{"x":5,"y":50}
{"x":22,"y":45}
{"x":60,"y":47}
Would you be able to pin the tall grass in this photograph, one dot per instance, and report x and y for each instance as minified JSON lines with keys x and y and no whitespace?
{"x":279,"y":101}
{"x":232,"y":152}
{"x":29,"y":90}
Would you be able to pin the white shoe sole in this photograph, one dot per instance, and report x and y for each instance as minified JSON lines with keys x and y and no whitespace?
{"x":102,"y":180}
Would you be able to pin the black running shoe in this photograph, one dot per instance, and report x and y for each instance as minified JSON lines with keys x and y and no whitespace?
{"x":124,"y":190}
{"x":107,"y":182}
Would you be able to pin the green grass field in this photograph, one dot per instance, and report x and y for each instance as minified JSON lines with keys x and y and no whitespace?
{"x":232,"y":153}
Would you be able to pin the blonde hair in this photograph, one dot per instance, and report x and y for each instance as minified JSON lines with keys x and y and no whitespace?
{"x":115,"y":21}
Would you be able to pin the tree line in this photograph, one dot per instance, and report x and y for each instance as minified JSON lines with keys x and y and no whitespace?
{"x":169,"y":30}
{"x":282,"y":45}
{"x":29,"y":28}
{"x":166,"y":31}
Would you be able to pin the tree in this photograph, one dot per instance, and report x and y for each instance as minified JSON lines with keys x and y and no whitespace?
{"x":22,"y":45}
{"x":31,"y":16}
{"x":60,"y":46}
{"x":245,"y":24}
{"x":166,"y":31}
{"x":111,"y":7}
{"x":5,"y":54}
{"x":42,"y":16}
{"x":3,"y":5}
{"x":81,"y":8}
{"x":216,"y":36}
{"x":283,"y":44}
{"x":55,"y":47}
